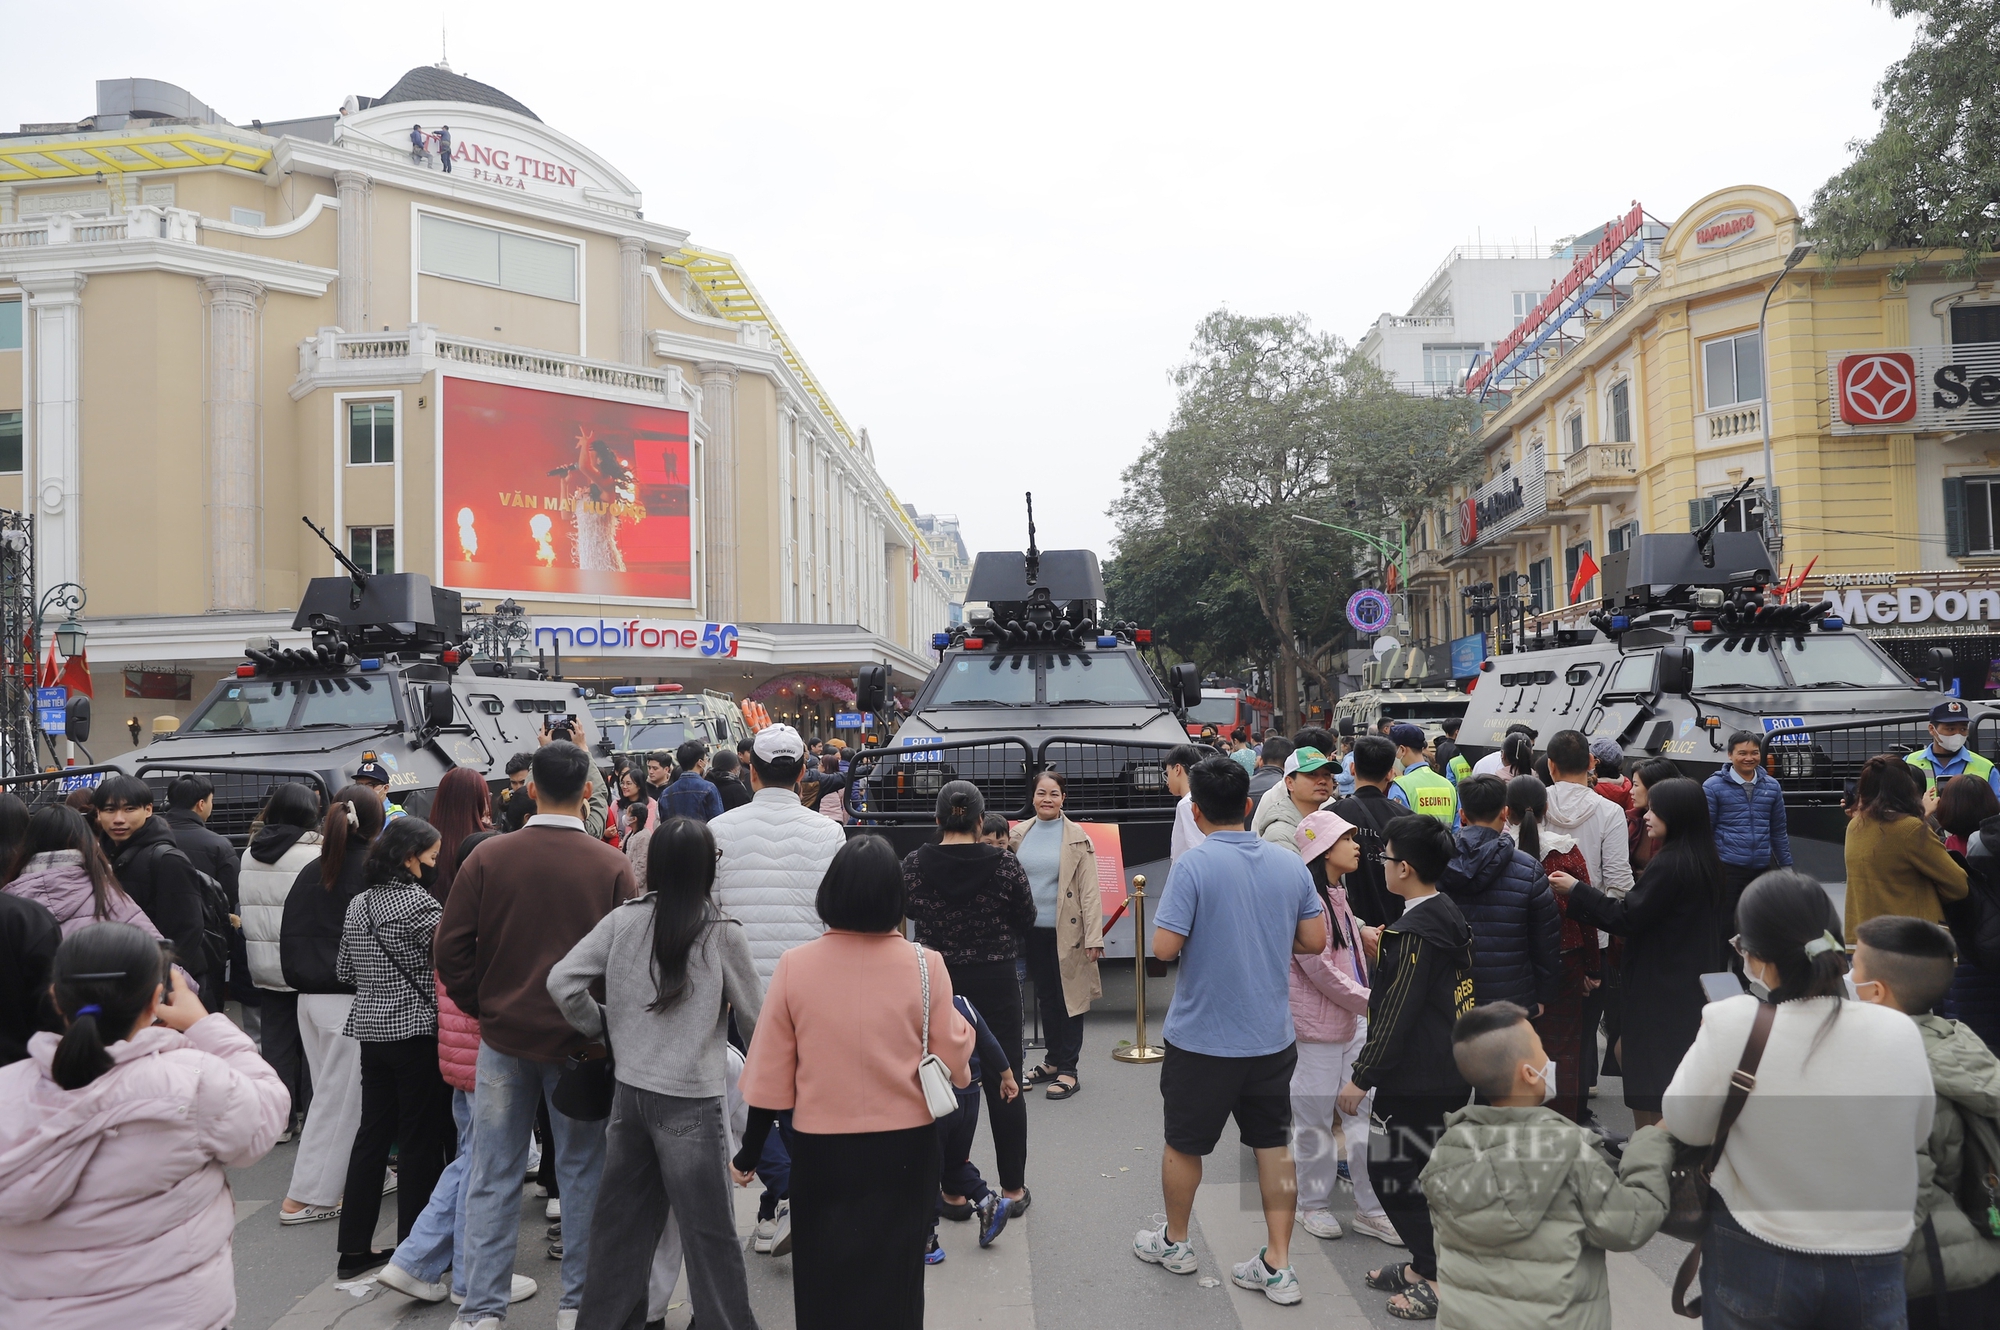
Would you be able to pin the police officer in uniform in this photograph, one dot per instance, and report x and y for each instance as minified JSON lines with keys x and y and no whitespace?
{"x":1947,"y":756}
{"x":376,"y":777}
{"x":1455,"y":768}
{"x":1420,"y":789}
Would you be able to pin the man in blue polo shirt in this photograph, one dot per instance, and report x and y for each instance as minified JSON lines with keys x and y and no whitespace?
{"x":1234,"y":911}
{"x":1946,"y":755}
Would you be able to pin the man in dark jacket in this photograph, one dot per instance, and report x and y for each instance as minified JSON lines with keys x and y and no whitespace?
{"x":724,"y":773}
{"x":157,"y":875}
{"x":190,"y":800}
{"x":1370,"y":809}
{"x":29,"y":935}
{"x":1746,"y":808}
{"x":690,"y":795}
{"x":1505,"y":897}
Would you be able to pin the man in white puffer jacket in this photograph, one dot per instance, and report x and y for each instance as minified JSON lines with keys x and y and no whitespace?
{"x":1577,"y":809}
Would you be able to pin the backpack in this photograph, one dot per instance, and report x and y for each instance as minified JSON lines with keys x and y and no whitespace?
{"x":215,"y":926}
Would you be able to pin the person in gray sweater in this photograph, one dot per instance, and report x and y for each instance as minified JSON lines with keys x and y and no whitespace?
{"x":673,"y":967}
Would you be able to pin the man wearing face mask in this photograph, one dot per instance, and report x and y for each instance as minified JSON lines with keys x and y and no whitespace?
{"x":1501,"y":1273}
{"x":1946,"y":755}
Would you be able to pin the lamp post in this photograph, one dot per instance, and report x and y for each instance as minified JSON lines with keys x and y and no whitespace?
{"x":70,"y":635}
{"x":1773,"y":537}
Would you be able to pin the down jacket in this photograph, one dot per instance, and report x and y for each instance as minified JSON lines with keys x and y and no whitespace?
{"x":114,"y":1208}
{"x":1966,"y":1077}
{"x":774,"y":850}
{"x":1516,"y":930}
{"x":1327,"y":992}
{"x":1525,"y":1204}
{"x":458,"y":1044}
{"x":272,"y":864}
{"x":1749,"y":821}
{"x":57,"y":881}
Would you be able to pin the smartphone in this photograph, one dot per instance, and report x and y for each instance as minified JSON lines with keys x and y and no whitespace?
{"x":1721,"y":986}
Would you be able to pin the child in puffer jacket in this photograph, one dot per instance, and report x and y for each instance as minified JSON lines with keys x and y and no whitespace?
{"x":1525,"y":1203}
{"x":114,"y":1206}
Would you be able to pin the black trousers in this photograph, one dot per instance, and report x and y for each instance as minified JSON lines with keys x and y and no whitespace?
{"x":863,"y":1206}
{"x":1413,"y":1125}
{"x":992,"y":987}
{"x":1735,"y":877}
{"x":403,"y":1098}
{"x":279,"y":1042}
{"x":1062,"y":1031}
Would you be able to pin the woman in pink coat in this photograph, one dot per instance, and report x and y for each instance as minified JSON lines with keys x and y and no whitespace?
{"x":114,"y":1209}
{"x":1329,"y":993}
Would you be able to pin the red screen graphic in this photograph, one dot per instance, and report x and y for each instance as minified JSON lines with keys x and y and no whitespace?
{"x":551,"y":493}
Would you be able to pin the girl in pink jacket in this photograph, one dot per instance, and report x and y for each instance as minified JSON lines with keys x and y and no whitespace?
{"x":114,"y":1209}
{"x":1329,"y":994}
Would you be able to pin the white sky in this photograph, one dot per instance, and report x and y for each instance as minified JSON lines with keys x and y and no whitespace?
{"x":991,"y":231}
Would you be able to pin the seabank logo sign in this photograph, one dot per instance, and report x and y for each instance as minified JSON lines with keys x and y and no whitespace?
{"x":1916,"y":389}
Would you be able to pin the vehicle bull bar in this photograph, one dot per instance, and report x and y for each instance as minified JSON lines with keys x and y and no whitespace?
{"x":1813,"y":762}
{"x":1107,"y":780}
{"x":240,"y":792}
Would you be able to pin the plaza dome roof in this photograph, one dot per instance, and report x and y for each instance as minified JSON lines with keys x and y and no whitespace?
{"x":438,"y":83}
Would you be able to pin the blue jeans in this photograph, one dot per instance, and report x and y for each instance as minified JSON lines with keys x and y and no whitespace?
{"x":1746,"y":1282}
{"x":439,"y":1233}
{"x":774,"y":1167}
{"x":503,"y":1118}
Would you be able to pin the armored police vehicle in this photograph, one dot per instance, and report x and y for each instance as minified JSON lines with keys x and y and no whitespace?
{"x":1690,"y":645}
{"x":389,"y":677}
{"x":637,"y":719}
{"x":1398,"y":689}
{"x":1039,"y":682}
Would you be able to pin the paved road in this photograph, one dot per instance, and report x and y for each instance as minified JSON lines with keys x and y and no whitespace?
{"x":1067,"y":1265}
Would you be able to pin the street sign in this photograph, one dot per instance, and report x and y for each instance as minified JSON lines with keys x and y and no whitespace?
{"x":1368,"y":610}
{"x":50,"y":711}
{"x":847,"y":720}
{"x":1466,"y":654}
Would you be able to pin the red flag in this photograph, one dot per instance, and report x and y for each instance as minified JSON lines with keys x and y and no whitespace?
{"x":51,"y":667}
{"x":916,"y":566}
{"x":1586,"y":568}
{"x":76,"y":675}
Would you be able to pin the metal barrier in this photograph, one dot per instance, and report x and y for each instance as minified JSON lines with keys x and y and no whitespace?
{"x":1108,"y":780}
{"x":38,"y":789}
{"x":1815,"y":762}
{"x":240,"y":792}
{"x":903,"y":784}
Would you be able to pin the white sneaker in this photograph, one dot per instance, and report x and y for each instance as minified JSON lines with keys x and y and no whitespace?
{"x":483,"y":1323}
{"x":1281,"y":1287}
{"x":781,"y":1240}
{"x":766,"y":1231}
{"x":554,"y":1208}
{"x":1151,"y":1246}
{"x":522,"y":1289}
{"x":1320,"y":1223}
{"x":396,"y":1277}
{"x":566,"y":1318}
{"x":1377,"y":1226}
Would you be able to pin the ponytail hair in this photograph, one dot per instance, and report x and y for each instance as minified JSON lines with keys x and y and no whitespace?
{"x":1786,"y":919}
{"x":960,"y":807}
{"x":1527,"y":805}
{"x":104,"y":978}
{"x":353,"y":821}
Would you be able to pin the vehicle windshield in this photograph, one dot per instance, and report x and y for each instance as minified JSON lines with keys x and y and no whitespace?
{"x":993,"y":681}
{"x":347,"y":701}
{"x":1633,"y":674}
{"x":258,"y":704}
{"x":1213,"y":711}
{"x":1835,"y":660}
{"x":645,"y":736}
{"x":1743,"y":662}
{"x":1097,"y":677}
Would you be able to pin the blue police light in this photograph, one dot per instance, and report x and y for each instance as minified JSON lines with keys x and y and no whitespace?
{"x":1831,"y":625}
{"x":1620,"y":622}
{"x":940,"y":639}
{"x":623,"y":690}
{"x":1107,"y":640}
{"x":371,"y":663}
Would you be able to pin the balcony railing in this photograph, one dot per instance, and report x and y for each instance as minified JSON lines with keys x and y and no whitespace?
{"x":1425,"y":562}
{"x":147,"y":222}
{"x":1603,"y":464}
{"x":1732,"y":422}
{"x":343,"y":358}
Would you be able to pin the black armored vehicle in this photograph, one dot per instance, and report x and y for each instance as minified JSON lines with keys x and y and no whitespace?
{"x":1691,"y":644}
{"x":1040,"y":681}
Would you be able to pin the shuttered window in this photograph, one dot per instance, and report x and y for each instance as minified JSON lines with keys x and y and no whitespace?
{"x":492,"y":257}
{"x":1972,"y":516}
{"x":1621,"y":411}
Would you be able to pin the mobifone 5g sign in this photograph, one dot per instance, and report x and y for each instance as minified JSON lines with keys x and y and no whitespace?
{"x":1916,"y":389}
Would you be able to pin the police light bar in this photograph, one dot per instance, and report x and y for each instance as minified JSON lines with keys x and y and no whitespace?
{"x":1107,"y":640}
{"x":1143,"y":636}
{"x":975,"y":643}
{"x":639,"y":690}
{"x":1831,"y":624}
{"x":246,"y":671}
{"x":940,"y":640}
{"x":372,"y":663}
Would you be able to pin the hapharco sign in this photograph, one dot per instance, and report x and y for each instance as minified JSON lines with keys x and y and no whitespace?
{"x":1909,"y":599}
{"x":632,"y":637}
{"x":1915,"y":389}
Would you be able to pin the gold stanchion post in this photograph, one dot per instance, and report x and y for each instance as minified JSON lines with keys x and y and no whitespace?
{"x":1139,"y":1050}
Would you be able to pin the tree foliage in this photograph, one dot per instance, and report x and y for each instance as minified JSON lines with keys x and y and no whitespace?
{"x":1930,"y":179}
{"x":1275,"y":422}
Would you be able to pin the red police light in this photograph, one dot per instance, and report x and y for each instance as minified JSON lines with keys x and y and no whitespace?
{"x":974,"y":643}
{"x":1701,"y":625}
{"x":246,"y":671}
{"x":450,"y":658}
{"x":1143,"y":636}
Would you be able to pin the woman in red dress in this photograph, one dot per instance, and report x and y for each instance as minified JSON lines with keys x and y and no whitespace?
{"x":1561,"y":1025}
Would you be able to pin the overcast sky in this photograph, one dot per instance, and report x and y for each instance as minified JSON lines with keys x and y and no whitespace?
{"x":991,"y":229}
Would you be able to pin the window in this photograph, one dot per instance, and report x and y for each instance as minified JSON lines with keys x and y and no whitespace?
{"x":1573,"y":560}
{"x":1524,"y":305}
{"x":1573,"y":431}
{"x":10,"y":441}
{"x":1971,"y":514}
{"x":253,"y":705}
{"x":10,"y":325}
{"x":1746,"y":514}
{"x":1621,"y":537}
{"x":1540,"y":594}
{"x":1739,"y":662}
{"x":246,"y":217}
{"x":1620,"y":402}
{"x":373,"y":547}
{"x":343,"y":701}
{"x":371,"y":433}
{"x":505,"y":259}
{"x":1969,"y":323}
{"x":1732,"y":371}
{"x":1448,"y":364}
{"x":1840,"y":660}
{"x":993,"y":681}
{"x":1632,"y":674}
{"x":1092,"y":680}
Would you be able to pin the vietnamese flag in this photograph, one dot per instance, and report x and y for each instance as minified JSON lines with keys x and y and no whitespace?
{"x":51,"y":667}
{"x":1586,"y":568}
{"x":76,"y":675}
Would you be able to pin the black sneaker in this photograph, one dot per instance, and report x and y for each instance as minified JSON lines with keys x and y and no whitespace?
{"x":1018,"y":1205}
{"x":993,"y":1213}
{"x":356,"y":1264}
{"x":556,"y":1250}
{"x":961,"y":1210}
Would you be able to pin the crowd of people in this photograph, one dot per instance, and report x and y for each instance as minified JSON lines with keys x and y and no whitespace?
{"x":1399,"y":972}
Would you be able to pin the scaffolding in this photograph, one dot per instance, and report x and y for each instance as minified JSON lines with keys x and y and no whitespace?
{"x":17,"y":643}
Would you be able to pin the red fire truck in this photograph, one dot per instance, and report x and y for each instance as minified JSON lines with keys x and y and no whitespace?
{"x":1228,"y":708}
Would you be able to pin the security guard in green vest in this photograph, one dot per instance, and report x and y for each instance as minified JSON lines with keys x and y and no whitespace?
{"x":1419,"y":788}
{"x":1456,"y":768}
{"x":1946,"y":755}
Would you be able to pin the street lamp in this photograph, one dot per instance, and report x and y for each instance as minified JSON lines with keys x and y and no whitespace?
{"x":1771,"y":531}
{"x":69,"y":598}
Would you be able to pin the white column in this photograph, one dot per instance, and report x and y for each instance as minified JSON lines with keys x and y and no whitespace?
{"x":55,"y":311}
{"x":351,"y":251}
{"x":631,"y":300}
{"x":718,"y":409}
{"x":235,"y":510}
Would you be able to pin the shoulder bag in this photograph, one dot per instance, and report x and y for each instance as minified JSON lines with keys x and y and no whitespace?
{"x":935,"y":1078}
{"x":426,"y":996}
{"x":1689,"y":1188}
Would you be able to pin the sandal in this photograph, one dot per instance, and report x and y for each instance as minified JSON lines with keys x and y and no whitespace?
{"x":1390,"y":1278}
{"x":1041,"y":1075}
{"x":1421,"y":1304}
{"x":1058,"y":1090}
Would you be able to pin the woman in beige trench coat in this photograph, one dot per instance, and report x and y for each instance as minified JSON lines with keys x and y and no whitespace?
{"x":1067,"y":941}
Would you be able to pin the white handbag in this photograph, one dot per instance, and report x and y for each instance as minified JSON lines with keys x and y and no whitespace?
{"x":935,"y":1078}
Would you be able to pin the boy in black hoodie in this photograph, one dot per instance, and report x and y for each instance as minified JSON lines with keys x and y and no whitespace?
{"x":1423,"y":964}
